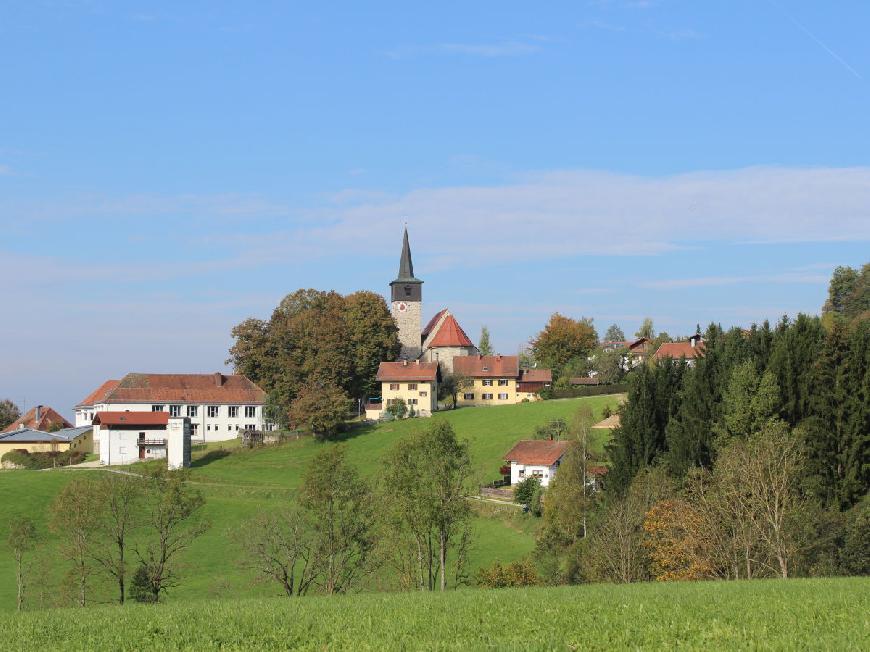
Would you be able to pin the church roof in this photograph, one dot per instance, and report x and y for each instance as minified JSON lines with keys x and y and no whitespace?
{"x":406,"y":265}
{"x":432,"y":323}
{"x":450,"y":333}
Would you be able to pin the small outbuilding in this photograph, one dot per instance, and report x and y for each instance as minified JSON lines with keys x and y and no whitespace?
{"x":536,"y":459}
{"x":128,"y":437}
{"x":38,"y":441}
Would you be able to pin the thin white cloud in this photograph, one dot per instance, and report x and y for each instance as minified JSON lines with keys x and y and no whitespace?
{"x":720,"y":281}
{"x":501,"y":49}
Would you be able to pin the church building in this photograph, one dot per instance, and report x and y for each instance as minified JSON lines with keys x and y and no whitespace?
{"x":444,"y":348}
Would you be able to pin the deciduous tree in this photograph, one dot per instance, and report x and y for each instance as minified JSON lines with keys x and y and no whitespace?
{"x":22,"y":539}
{"x":9,"y":412}
{"x":173,"y":519}
{"x":321,"y":409}
{"x":338,"y":510}
{"x":614,"y":334}
{"x":74,"y":518}
{"x":562,"y":340}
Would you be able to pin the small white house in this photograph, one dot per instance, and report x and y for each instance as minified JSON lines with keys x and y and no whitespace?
{"x":535,"y":458}
{"x":129,"y":437}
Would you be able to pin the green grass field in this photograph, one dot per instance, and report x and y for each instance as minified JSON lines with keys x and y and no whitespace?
{"x":818,"y":614}
{"x":237,"y":484}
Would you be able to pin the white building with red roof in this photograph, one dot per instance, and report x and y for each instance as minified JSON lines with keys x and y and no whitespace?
{"x":535,"y":458}
{"x":128,"y":437}
{"x":218,"y":405}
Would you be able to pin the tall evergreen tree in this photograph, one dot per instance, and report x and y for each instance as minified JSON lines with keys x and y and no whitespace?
{"x":793,"y":355}
{"x":485,"y":346}
{"x":653,"y":399}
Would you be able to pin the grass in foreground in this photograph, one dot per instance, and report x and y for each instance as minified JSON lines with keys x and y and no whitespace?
{"x":763,"y":614}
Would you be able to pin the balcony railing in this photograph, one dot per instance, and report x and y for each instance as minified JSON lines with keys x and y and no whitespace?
{"x":151,"y":442}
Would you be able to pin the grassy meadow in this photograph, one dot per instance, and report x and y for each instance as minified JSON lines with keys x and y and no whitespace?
{"x":239,"y":483}
{"x":822,"y":614}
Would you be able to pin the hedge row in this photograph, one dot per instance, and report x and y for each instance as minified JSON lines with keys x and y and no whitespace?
{"x":47,"y":460}
{"x":585,"y":390}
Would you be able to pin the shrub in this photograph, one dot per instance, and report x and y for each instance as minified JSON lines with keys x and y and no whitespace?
{"x":517,"y":573}
{"x":45,"y":460}
{"x":525,"y":490}
{"x":140,"y":586}
{"x":606,"y":412}
{"x":397,"y":409}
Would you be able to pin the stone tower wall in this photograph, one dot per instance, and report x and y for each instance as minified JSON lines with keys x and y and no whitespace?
{"x":410,"y":325}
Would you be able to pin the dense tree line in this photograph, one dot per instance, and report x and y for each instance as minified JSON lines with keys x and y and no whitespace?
{"x":317,"y":342}
{"x":752,"y":461}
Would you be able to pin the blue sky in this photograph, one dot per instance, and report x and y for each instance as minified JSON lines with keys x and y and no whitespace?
{"x":168,"y":169}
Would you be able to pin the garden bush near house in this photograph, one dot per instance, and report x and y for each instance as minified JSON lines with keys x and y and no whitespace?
{"x":44,"y":460}
{"x":525,"y":491}
{"x":398,"y":409}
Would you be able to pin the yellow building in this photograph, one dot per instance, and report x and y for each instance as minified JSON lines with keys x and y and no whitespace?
{"x":415,"y":382}
{"x":498,"y":380}
{"x":37,"y":441}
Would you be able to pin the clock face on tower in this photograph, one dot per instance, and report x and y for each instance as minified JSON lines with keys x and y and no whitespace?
{"x":402,"y":306}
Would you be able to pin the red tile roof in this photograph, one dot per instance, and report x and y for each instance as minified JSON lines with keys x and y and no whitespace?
{"x":537,"y":452}
{"x":680,"y":350}
{"x":48,"y":419}
{"x":450,"y":333}
{"x":487,"y":366}
{"x":536,"y":376}
{"x":186,"y":388}
{"x":425,"y":372}
{"x":639,"y":345}
{"x":432,"y":323}
{"x":98,"y":394}
{"x":131,"y":418}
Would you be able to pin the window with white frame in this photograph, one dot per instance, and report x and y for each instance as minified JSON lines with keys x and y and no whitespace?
{"x":234,"y":411}
{"x":412,"y":401}
{"x":157,"y":408}
{"x":502,"y":397}
{"x":213,"y":411}
{"x":487,"y":382}
{"x":412,"y":386}
{"x":394,"y":387}
{"x":175,"y":410}
{"x":191,"y":410}
{"x":468,"y":397}
{"x":487,"y":397}
{"x":503,"y":382}
{"x":250,"y":411}
{"x":424,"y":393}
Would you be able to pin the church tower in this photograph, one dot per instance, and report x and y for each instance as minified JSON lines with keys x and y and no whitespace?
{"x":407,"y":304}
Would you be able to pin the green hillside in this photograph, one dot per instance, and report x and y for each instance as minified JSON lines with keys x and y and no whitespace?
{"x":239,"y":483}
{"x":824,"y":614}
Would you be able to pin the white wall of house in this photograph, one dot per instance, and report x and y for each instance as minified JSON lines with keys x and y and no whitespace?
{"x":204,"y":427}
{"x":121,"y":445}
{"x":520,"y":472}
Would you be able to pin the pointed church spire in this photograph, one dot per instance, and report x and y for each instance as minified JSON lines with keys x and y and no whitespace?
{"x":406,"y":265}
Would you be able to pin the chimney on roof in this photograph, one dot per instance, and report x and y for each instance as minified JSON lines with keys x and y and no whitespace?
{"x":218,"y":379}
{"x":405,"y":363}
{"x":418,"y":362}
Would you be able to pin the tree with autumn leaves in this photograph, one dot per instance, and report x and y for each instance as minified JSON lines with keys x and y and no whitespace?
{"x":562,"y":341}
{"x":316,"y":339}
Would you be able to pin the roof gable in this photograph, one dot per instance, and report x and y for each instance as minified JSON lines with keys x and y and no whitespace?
{"x":450,"y":333}
{"x":48,"y":419}
{"x":98,"y":394}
